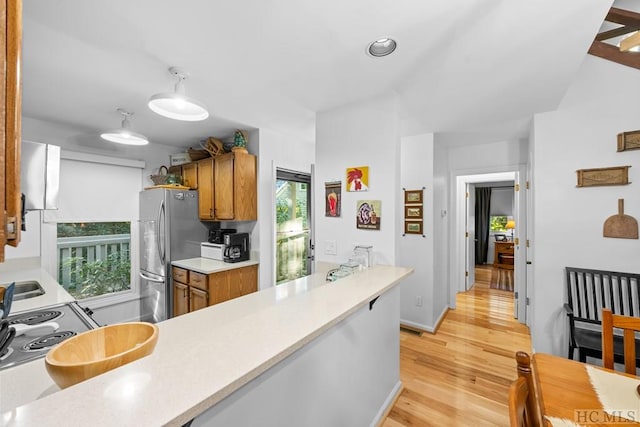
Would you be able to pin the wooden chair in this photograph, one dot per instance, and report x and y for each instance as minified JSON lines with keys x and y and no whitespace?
{"x":629,"y":325}
{"x":525,"y":405}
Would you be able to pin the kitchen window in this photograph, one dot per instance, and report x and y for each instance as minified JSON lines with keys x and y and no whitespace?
{"x":94,"y":258}
{"x":90,"y":241}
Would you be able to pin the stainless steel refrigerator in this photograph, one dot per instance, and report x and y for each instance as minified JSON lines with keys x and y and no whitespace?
{"x":169,"y":230}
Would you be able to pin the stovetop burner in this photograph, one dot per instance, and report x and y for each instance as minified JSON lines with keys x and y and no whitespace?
{"x":48,"y":340}
{"x":36,"y":317}
{"x":71,"y":320}
{"x":6,"y":353}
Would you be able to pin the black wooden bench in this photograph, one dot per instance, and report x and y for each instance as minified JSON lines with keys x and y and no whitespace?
{"x":588,"y":291}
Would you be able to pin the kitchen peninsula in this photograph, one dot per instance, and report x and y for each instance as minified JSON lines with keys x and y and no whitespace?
{"x":305,"y":352}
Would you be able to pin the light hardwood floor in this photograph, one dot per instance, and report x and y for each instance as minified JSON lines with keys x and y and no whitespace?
{"x":460,"y":375}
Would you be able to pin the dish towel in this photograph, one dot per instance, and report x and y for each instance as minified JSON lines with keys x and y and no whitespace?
{"x":617,"y":394}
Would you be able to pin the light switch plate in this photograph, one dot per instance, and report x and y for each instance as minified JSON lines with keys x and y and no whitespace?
{"x":330,"y":247}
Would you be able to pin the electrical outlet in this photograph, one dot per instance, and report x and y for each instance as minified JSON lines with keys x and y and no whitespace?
{"x":330,"y":247}
{"x":418,"y":301}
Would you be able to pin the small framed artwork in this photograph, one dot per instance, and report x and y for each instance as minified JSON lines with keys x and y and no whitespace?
{"x":413,"y":227}
{"x":369,"y":214}
{"x":333,"y":200}
{"x":413,"y":196}
{"x":413,"y":212}
{"x":358,"y":178}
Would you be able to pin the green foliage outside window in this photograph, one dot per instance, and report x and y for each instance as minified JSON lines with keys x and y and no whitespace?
{"x":94,"y":258}
{"x":92,"y":228}
{"x":99,"y":277}
{"x":498,"y":223}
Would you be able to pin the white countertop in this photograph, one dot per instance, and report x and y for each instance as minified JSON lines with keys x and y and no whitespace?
{"x":29,"y":269}
{"x":203,"y":356}
{"x":208,"y":265}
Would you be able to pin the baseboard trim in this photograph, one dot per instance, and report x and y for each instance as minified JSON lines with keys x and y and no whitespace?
{"x":416,"y":326}
{"x":419,"y":327}
{"x":440,"y":319}
{"x":387,"y":406}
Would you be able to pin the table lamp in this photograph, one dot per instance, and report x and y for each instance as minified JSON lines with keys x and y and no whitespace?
{"x":511,"y":224}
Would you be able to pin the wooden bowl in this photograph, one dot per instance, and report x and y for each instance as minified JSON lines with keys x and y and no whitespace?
{"x":99,"y":350}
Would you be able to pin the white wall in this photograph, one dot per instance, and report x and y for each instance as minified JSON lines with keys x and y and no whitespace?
{"x":601,"y":102}
{"x":275,"y":150}
{"x":364,"y":134}
{"x":417,"y":154}
{"x":29,"y":246}
{"x":441,"y":234}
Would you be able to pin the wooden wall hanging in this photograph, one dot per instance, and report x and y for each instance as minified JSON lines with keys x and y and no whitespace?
{"x":629,"y":140}
{"x":620,"y":226}
{"x":413,"y":212}
{"x":618,"y":175}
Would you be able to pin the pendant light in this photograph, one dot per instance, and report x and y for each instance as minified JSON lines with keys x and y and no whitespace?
{"x":125,"y":135}
{"x":176,"y":105}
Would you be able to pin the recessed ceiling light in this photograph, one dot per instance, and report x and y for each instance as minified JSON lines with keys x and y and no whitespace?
{"x":176,"y":105}
{"x":382,"y":47}
{"x":125,"y":135}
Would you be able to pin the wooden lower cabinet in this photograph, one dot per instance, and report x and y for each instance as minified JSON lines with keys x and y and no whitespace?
{"x":198,"y":299}
{"x":233,"y":283}
{"x":203,"y":290}
{"x":180,"y":298}
{"x":190,"y":292}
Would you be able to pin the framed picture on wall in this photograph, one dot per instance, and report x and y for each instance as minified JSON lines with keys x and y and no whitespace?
{"x":413,"y":196}
{"x":413,"y":212}
{"x":413,"y":227}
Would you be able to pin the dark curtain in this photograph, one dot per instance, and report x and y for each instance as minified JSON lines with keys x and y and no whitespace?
{"x":483,"y":210}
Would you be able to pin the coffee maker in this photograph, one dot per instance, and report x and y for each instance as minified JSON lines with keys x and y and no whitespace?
{"x":236,"y":247}
{"x":217,"y":235}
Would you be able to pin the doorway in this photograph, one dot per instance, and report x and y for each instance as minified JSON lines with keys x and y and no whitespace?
{"x":294,"y":252}
{"x":464,"y":235}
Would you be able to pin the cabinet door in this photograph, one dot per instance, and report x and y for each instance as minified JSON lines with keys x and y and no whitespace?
{"x":190,"y":175}
{"x":205,"y":189}
{"x":180,"y":299}
{"x":219,"y":287}
{"x":198,"y":298}
{"x":245,"y":187}
{"x":243,"y":281}
{"x":223,"y":206}
{"x":10,"y":115}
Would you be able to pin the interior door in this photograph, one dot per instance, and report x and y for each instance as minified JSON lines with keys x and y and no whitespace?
{"x":520,"y":249}
{"x":470,"y":240}
{"x":294,"y":249}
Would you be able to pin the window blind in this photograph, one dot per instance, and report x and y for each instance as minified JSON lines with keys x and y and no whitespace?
{"x":91,"y":191}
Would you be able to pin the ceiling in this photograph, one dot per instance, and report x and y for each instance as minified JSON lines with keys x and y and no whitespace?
{"x":461,"y":68}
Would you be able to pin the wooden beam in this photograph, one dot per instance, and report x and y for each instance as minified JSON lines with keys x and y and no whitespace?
{"x":624,"y":17}
{"x":630,"y":42}
{"x":616,"y":32}
{"x":612,"y":53}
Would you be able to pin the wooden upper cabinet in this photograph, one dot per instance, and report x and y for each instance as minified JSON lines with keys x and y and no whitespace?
{"x":190,"y":175}
{"x":235,"y":187}
{"x":205,"y":189}
{"x":223,"y":181}
{"x":227,"y":187}
{"x":10,"y":134}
